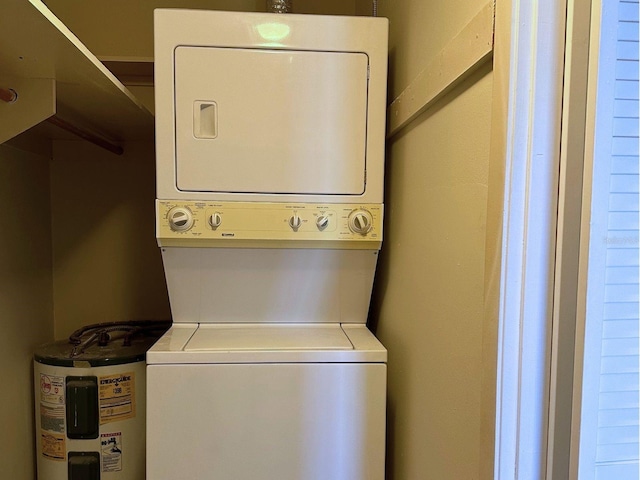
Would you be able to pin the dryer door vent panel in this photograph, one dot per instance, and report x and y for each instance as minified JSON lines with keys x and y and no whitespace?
{"x":270,"y":121}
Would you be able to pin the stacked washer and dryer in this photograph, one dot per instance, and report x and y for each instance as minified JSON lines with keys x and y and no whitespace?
{"x":270,"y":158}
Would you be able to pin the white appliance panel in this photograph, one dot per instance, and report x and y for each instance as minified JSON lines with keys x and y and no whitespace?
{"x":181,"y":223}
{"x":266,"y":421}
{"x":177,"y":345}
{"x":270,"y":121}
{"x":268,"y":337}
{"x":231,"y":285}
{"x":331,"y":123}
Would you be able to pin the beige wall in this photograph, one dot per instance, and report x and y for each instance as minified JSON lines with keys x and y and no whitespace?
{"x":428,"y":306}
{"x":107,"y":266}
{"x":26,"y":310}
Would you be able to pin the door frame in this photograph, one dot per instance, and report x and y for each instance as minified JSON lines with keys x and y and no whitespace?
{"x":540,"y":62}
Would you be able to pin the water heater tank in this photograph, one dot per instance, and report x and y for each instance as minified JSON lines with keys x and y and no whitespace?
{"x":90,"y":402}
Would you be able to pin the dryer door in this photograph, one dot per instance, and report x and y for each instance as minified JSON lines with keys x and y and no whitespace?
{"x":270,"y":121}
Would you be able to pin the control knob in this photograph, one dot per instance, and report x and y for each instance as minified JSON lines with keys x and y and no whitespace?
{"x":295,"y":222}
{"x":215,"y":220}
{"x":180,"y":219}
{"x":322,"y":222}
{"x":360,"y":221}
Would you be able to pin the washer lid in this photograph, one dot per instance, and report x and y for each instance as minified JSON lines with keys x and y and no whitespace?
{"x":192,"y":343}
{"x":268,"y":337}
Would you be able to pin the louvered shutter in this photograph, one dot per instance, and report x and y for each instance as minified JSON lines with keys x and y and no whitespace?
{"x":610,"y":412}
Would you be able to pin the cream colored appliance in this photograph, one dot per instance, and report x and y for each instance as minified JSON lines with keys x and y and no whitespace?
{"x":270,"y":160}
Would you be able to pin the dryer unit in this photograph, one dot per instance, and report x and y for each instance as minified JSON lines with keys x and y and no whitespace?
{"x":270,"y":108}
{"x":270,"y":159}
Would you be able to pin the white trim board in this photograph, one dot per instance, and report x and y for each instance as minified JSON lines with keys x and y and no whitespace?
{"x":529,"y":235}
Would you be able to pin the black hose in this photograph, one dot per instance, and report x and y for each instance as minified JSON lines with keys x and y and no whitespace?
{"x":100,"y":332}
{"x":76,"y":337}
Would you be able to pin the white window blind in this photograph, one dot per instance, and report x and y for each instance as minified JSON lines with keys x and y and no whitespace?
{"x":609,"y":444}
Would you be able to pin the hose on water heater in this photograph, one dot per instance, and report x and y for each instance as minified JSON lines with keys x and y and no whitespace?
{"x":100,"y":333}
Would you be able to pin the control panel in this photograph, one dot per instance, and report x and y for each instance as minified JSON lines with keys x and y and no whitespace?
{"x":303,"y":225}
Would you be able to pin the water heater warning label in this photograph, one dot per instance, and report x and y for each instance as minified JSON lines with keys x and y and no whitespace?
{"x":51,"y":389}
{"x":117,"y":397}
{"x":111,"y":445}
{"x":52,"y":446}
{"x":52,"y":417}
